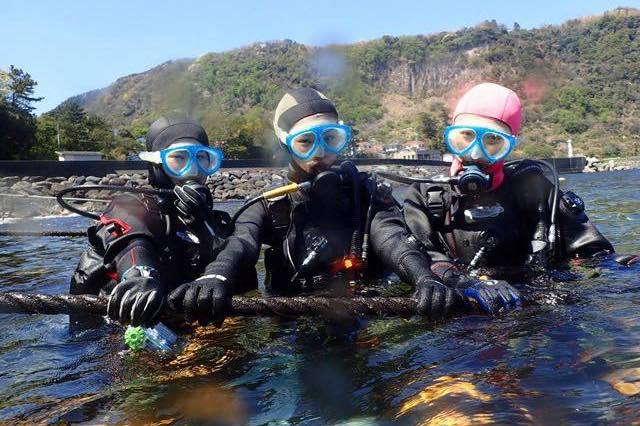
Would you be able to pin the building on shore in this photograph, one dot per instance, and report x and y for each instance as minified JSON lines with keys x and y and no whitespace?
{"x":416,"y":154}
{"x":79,"y":155}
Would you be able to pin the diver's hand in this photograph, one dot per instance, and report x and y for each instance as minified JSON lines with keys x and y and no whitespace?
{"x":492,"y":296}
{"x":136,"y":300}
{"x":434,"y":298}
{"x":193,"y":203}
{"x":538,"y":259}
{"x":206,"y":300}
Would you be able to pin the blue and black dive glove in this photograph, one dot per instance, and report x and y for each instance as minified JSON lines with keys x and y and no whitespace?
{"x":492,"y":296}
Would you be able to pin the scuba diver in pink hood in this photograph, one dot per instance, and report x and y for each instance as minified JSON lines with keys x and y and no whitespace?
{"x":487,"y":214}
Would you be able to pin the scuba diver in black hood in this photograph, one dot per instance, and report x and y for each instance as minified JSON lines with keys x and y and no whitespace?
{"x":487,"y":213}
{"x":145,"y":245}
{"x":317,"y":235}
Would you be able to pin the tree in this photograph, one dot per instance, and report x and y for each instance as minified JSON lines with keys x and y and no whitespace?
{"x":79,"y":131}
{"x":17,"y":123}
{"x":21,"y":87}
{"x":428,"y":126}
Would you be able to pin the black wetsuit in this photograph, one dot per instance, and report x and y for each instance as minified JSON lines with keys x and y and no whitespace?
{"x":292,"y":225}
{"x":145,"y":231}
{"x":438,"y":227}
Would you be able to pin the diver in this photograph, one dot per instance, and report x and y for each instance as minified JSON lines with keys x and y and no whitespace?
{"x":317,"y":236}
{"x":146,"y":245}
{"x":486,"y":213}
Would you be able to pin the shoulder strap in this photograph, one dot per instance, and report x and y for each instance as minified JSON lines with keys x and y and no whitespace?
{"x":279,"y":212}
{"x":524,"y":167}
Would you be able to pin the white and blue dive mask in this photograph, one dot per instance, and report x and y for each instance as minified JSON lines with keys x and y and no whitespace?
{"x":478,"y":143}
{"x":333,"y":138}
{"x":187,"y":161}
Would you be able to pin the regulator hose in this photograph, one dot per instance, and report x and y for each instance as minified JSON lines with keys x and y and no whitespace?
{"x":119,"y":188}
{"x":411,"y":180}
{"x":277,"y":192}
{"x":554,"y":205}
{"x":349,"y":169}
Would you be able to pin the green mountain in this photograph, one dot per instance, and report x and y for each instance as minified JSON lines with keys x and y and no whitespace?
{"x":578,"y":80}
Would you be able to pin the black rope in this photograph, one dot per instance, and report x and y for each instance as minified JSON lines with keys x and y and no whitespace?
{"x":11,"y":233}
{"x":242,"y":306}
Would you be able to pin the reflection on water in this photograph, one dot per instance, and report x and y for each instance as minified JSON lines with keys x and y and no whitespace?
{"x":573,"y":356}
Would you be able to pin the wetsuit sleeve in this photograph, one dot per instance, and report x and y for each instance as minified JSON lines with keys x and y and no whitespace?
{"x":401,"y":250}
{"x":242,"y":248}
{"x":579,"y":237}
{"x":131,"y":230}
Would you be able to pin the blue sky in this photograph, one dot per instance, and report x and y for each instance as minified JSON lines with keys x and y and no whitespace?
{"x":71,"y":47}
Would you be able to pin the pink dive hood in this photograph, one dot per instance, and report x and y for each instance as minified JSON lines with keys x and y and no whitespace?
{"x":492,"y":101}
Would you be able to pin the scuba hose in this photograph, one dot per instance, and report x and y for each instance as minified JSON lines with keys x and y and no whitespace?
{"x":67,"y":206}
{"x":283,"y":190}
{"x":411,"y":180}
{"x":551,"y":234}
{"x":277,"y":192}
{"x":349,"y":169}
{"x":367,"y":225}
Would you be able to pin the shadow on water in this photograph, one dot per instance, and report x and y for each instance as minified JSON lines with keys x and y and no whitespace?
{"x":571,"y":356}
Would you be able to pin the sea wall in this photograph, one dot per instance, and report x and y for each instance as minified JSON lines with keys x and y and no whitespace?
{"x":20,"y":196}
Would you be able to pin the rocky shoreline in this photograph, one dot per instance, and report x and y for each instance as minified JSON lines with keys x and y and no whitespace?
{"x":19,"y":196}
{"x":594,"y":164}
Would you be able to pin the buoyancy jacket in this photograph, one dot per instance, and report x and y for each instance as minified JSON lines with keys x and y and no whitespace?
{"x":438,"y":227}
{"x":144,"y":231}
{"x":292,"y":226}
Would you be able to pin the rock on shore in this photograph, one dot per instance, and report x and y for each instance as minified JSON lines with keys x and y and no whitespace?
{"x":596,"y":165}
{"x":227,"y":184}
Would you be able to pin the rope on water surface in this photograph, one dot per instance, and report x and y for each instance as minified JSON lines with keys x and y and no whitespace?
{"x":50,"y":197}
{"x":243,"y":306}
{"x":11,"y":233}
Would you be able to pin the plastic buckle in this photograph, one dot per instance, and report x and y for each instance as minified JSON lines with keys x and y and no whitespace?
{"x":114,"y":226}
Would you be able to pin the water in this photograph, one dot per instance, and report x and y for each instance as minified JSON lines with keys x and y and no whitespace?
{"x":574,"y":358}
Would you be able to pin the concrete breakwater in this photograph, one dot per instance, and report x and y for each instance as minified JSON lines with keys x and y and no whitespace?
{"x":21,"y":195}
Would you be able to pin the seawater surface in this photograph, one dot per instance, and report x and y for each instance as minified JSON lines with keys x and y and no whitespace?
{"x":572,"y":357}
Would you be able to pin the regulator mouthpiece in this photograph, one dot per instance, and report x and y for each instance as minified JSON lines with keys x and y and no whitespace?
{"x":473,"y":181}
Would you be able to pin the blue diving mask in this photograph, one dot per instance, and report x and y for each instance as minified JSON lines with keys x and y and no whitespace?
{"x":333,"y":138}
{"x":181,"y":160}
{"x":465,"y":141}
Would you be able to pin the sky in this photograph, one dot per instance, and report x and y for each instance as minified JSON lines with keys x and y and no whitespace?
{"x":70,"y":47}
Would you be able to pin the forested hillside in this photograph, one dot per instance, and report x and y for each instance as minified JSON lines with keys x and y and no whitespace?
{"x":579,"y":80}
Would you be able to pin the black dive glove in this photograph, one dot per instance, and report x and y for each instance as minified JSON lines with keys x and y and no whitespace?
{"x":206,"y":300}
{"x":538,"y":259}
{"x":628,"y":259}
{"x":136,"y":300}
{"x":434,"y":298}
{"x":492,"y":296}
{"x":193,"y":204}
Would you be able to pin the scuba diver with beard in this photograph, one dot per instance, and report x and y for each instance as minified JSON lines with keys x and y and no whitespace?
{"x":145,"y":245}
{"x":487,"y":213}
{"x":316,"y":236}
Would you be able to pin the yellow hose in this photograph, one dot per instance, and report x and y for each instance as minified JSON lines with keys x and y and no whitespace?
{"x":283,"y":190}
